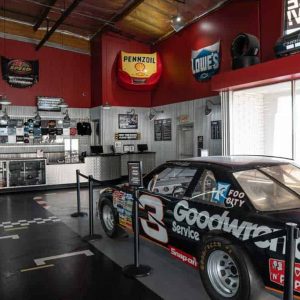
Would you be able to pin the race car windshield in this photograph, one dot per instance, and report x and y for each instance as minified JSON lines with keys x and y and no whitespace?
{"x":264,"y":192}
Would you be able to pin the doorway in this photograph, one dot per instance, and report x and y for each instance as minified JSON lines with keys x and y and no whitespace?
{"x":185,"y":138}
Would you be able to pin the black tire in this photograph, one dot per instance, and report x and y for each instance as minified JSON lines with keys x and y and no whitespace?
{"x":249,"y":284}
{"x":244,"y":61}
{"x":105,"y":204}
{"x":245,"y":45}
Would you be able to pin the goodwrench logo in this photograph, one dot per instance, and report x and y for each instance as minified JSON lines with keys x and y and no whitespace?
{"x":242,"y":230}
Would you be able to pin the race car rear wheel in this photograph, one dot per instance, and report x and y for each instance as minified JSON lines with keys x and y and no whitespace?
{"x":226,"y":271}
{"x":108,"y":218}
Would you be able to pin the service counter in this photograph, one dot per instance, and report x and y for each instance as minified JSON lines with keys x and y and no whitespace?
{"x":36,"y":172}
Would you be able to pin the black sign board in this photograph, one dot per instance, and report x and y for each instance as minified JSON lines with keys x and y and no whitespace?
{"x":292,"y":16}
{"x":163,"y":130}
{"x":127,"y":136}
{"x":216,"y":133}
{"x":20,"y":73}
{"x":135,"y":173}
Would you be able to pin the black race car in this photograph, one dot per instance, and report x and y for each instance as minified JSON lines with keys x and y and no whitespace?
{"x":205,"y":211}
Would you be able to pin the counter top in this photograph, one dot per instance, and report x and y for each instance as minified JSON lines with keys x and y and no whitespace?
{"x":71,"y":163}
{"x":24,"y":158}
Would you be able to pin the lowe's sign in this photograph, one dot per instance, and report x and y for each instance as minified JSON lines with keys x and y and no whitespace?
{"x":206,"y":62}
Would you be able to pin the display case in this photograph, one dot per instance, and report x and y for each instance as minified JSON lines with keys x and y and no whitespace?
{"x":27,"y":172}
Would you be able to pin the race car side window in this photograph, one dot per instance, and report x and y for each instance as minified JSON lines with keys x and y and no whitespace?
{"x":172,"y":181}
{"x":205,"y":187}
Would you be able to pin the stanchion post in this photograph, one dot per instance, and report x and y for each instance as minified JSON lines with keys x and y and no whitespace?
{"x":78,"y":213}
{"x":91,"y":235}
{"x":292,"y":233}
{"x":135,"y":180}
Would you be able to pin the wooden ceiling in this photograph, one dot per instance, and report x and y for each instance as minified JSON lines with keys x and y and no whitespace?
{"x":148,"y":21}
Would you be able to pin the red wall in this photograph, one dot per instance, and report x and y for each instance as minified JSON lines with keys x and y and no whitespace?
{"x":111,"y":91}
{"x":62,"y":74}
{"x":96,"y":72}
{"x":259,"y":17}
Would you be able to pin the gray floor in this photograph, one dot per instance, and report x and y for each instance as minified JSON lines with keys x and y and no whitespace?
{"x":171,"y":279}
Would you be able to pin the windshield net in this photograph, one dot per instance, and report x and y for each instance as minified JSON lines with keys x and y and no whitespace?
{"x":265,"y":193}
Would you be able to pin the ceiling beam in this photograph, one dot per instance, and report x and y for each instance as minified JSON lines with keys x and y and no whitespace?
{"x":120,"y":15}
{"x":65,"y":14}
{"x":44,"y":15}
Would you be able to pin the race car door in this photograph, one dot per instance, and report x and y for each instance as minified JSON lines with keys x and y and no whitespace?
{"x":165,"y":189}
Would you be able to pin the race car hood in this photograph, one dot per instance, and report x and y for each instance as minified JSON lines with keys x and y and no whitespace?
{"x":286,"y":216}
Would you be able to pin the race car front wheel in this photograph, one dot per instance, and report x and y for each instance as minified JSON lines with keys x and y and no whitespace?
{"x":226,"y":271}
{"x":108,"y":217}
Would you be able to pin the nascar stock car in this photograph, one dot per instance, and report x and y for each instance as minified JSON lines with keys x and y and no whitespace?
{"x":205,"y":211}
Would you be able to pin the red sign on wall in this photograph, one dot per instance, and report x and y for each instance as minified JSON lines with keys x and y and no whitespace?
{"x":139,"y":72}
{"x":277,"y":269}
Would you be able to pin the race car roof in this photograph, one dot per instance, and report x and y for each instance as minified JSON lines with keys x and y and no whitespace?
{"x":236,"y":162}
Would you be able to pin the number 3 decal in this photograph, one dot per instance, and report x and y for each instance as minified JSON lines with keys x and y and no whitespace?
{"x":154,"y":225}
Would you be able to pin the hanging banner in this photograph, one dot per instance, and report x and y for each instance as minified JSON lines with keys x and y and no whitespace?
{"x":206,"y":62}
{"x":292,"y":16}
{"x":139,"y":71}
{"x":20,"y":73}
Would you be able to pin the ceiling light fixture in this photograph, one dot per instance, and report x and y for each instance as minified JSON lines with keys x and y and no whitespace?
{"x":67,"y":117}
{"x":5,"y":117}
{"x":106,"y":106}
{"x":4,"y":100}
{"x":208,"y":109}
{"x":63,"y":104}
{"x":37,"y":117}
{"x":153,"y":113}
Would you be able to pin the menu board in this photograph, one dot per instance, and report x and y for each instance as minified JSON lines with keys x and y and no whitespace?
{"x":163,"y":130}
{"x":216,"y":132}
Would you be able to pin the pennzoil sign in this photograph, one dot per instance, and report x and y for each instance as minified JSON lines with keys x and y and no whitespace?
{"x":139,"y":71}
{"x":20,"y":73}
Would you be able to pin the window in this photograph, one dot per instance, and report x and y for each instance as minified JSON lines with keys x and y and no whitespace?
{"x":205,"y":187}
{"x":265,"y":193}
{"x":262,"y":121}
{"x":288,"y":175}
{"x":172,"y":181}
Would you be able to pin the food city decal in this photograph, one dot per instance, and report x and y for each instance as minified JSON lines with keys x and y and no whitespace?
{"x":139,"y":72}
{"x":206,"y":62}
{"x":20,"y":73}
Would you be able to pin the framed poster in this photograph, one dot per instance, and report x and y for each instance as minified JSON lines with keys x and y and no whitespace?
{"x":163,"y":130}
{"x":128,"y":121}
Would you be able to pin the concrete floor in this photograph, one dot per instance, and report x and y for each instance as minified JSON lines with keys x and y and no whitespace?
{"x":170,"y":279}
{"x":42,"y":258}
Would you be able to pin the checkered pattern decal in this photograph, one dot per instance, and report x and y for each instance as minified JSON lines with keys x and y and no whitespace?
{"x":19,"y":223}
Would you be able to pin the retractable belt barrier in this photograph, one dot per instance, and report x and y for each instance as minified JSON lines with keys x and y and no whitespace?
{"x":91,"y":180}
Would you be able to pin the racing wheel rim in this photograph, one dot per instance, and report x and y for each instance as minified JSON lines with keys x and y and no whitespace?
{"x":223,"y":273}
{"x":108,"y":217}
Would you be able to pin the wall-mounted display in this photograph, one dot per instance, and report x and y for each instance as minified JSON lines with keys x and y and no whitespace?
{"x":163,"y":130}
{"x":139,"y":71}
{"x":128,"y":121}
{"x":216,"y":130}
{"x":127,"y":136}
{"x":206,"y":62}
{"x":48,"y":103}
{"x":20,"y":73}
{"x":291,"y":17}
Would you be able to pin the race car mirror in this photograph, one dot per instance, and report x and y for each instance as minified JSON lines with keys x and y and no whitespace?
{"x":135,"y":178}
